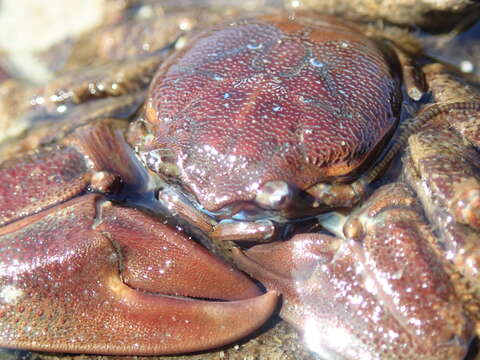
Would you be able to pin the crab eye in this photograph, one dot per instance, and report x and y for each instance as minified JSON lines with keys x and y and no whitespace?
{"x":162,"y":161}
{"x":275,"y":195}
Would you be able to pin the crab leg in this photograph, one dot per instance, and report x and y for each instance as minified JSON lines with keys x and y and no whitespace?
{"x":384,"y":292}
{"x":35,"y":181}
{"x":62,"y":288}
{"x":443,"y":169}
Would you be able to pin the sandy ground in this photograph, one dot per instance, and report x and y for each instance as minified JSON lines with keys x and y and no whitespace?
{"x":28,"y":27}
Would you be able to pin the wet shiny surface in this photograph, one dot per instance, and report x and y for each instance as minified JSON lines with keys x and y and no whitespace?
{"x":302,"y":101}
{"x":61,"y":290}
{"x":383,"y":291}
{"x":384,"y":295}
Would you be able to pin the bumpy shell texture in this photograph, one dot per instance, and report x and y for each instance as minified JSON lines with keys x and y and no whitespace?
{"x":298,"y":99}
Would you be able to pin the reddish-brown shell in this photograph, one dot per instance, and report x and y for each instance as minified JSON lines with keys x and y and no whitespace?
{"x":298,"y":99}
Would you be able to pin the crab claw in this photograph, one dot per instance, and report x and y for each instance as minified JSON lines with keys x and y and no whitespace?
{"x":62,"y":287}
{"x":383,"y":296}
{"x":165,"y":261}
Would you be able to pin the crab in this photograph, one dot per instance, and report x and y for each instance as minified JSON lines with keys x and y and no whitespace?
{"x":249,"y":133}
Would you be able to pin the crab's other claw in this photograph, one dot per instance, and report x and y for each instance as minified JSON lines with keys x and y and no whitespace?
{"x":384,"y":294}
{"x":70,"y":283}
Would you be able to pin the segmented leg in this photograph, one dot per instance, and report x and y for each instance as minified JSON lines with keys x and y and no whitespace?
{"x":369,"y":295}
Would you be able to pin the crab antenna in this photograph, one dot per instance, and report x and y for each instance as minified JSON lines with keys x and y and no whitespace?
{"x":411,"y":125}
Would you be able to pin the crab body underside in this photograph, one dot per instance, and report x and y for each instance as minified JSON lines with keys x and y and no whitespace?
{"x":252,"y":125}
